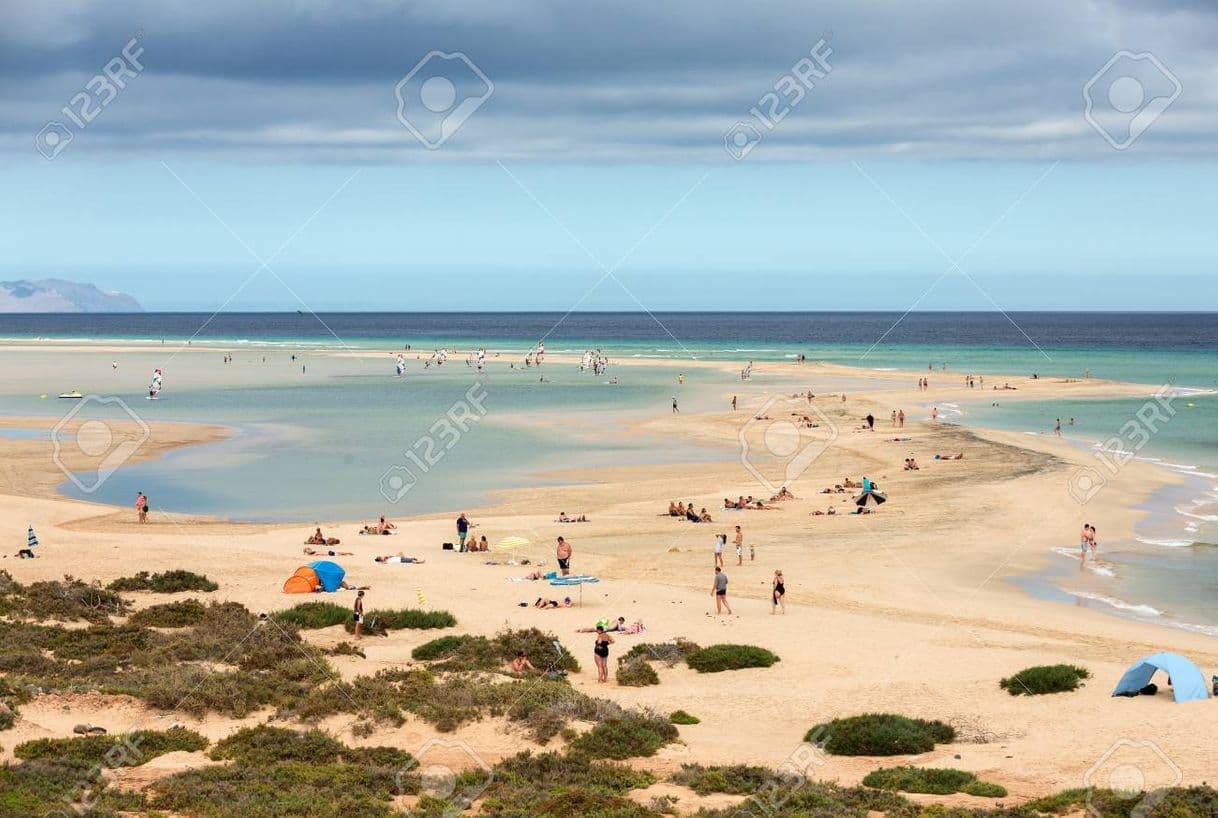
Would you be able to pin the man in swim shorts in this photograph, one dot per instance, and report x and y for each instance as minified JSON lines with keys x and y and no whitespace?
{"x":462,"y":530}
{"x":719,"y":591}
{"x":564,"y":556}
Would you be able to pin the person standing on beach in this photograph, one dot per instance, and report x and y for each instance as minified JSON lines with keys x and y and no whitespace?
{"x":564,"y":556}
{"x":1084,"y":542}
{"x":600,"y":652}
{"x":739,"y":546}
{"x":141,"y":506}
{"x":870,"y":422}
{"x":462,"y":530}
{"x":934,"y":413}
{"x":733,"y":403}
{"x":719,"y":592}
{"x":720,"y":541}
{"x":358,"y":614}
{"x":778,"y":599}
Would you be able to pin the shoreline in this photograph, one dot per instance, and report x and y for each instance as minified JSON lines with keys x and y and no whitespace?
{"x":878,"y":604}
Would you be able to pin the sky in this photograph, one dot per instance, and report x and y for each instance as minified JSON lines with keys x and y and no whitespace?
{"x":532,"y":155}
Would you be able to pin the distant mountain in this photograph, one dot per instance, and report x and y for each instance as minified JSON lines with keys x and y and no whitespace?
{"x":57,"y":295}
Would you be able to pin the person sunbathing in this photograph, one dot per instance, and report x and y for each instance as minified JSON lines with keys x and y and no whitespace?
{"x":563,"y":518}
{"x":692,"y":515}
{"x":521,"y":663}
{"x":319,"y":539}
{"x":672,"y":509}
{"x":704,"y":517}
{"x":911,"y":464}
{"x":552,"y":603}
{"x":680,"y":509}
{"x":313,"y":552}
{"x":850,"y":484}
{"x":618,"y":626}
{"x":346,"y":586}
{"x":397,"y":559}
{"x":374,"y":529}
{"x":782,"y":494}
{"x":959,"y":456}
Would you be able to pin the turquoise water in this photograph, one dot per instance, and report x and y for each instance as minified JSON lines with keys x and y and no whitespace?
{"x":1168,"y":572}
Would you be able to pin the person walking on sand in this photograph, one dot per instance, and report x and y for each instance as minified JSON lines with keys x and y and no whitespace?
{"x":778,"y":600}
{"x":719,"y":592}
{"x":141,"y":506}
{"x":720,"y":541}
{"x":739,"y":546}
{"x":900,"y":418}
{"x":358,"y":614}
{"x":564,"y":556}
{"x":600,"y":652}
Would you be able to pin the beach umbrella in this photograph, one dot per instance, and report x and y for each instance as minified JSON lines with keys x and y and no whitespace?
{"x":873,"y":496}
{"x":581,"y":580}
{"x":512,"y":544}
{"x":31,"y":539}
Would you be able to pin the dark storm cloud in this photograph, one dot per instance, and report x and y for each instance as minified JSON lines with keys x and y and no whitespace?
{"x":604,"y":81}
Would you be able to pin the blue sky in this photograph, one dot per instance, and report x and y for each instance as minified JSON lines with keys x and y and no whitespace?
{"x":940,"y":160}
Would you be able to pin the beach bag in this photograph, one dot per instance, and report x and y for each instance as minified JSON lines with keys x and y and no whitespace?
{"x":447,"y":546}
{"x":1150,"y":689}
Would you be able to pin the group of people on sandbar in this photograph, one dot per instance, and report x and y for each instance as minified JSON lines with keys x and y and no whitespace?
{"x":679,"y":509}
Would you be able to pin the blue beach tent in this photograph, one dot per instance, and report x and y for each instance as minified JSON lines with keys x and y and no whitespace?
{"x":1186,"y":680}
{"x":329,"y":573}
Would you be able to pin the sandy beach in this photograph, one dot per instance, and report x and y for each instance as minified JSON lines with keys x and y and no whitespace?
{"x":907,"y":610}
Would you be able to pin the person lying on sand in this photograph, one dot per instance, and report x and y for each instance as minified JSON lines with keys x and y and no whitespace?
{"x":319,"y":539}
{"x":552,"y":603}
{"x":783,"y":494}
{"x":313,"y":552}
{"x":373,"y":529}
{"x":959,"y":456}
{"x":397,"y":559}
{"x":346,"y":586}
{"x":563,"y":518}
{"x":617,"y":626}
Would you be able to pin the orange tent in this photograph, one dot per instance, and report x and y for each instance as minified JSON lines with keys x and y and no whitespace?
{"x":304,"y":581}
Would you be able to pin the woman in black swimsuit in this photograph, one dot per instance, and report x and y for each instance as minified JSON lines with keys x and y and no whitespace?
{"x":780,"y":591}
{"x":601,"y":653}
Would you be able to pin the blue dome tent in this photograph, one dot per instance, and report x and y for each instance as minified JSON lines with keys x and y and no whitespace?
{"x":1186,"y":680}
{"x":330,"y":573}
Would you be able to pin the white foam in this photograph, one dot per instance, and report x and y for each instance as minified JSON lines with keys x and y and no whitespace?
{"x":1119,"y":604}
{"x":1165,"y":543}
{"x":1205,"y":518}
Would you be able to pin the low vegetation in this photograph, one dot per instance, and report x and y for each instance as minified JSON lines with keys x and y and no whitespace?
{"x":626,"y":736}
{"x":880,"y":734}
{"x":170,"y":615}
{"x":636,"y":672}
{"x":932,"y":781}
{"x":314,"y":615}
{"x":125,"y":750}
{"x":668,"y":653}
{"x":169,"y":582}
{"x":263,"y":745}
{"x":738,"y":779}
{"x":472,"y":653}
{"x":717,"y":658}
{"x":1042,"y":679}
{"x":681,"y":717}
{"x":380,"y":622}
{"x":66,"y":600}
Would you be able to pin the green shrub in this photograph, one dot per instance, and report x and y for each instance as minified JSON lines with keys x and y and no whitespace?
{"x":170,"y":615}
{"x":439,"y":648}
{"x":69,"y":601}
{"x":880,"y":734}
{"x":169,"y":582}
{"x":313,"y":615}
{"x":636,"y":672}
{"x":127,"y":750}
{"x":379,"y":622}
{"x":667,"y":652}
{"x":1042,"y":679}
{"x":718,"y":658}
{"x":267,"y":745}
{"x":625,"y":736}
{"x":681,"y":717}
{"x":738,"y":779}
{"x":932,"y":781}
